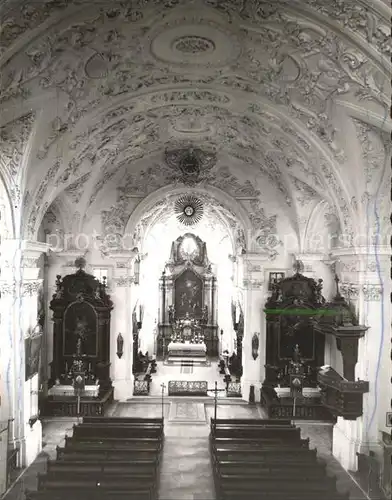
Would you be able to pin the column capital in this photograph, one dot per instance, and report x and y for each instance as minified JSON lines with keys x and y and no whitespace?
{"x":123,"y":281}
{"x":310,"y":257}
{"x":252,"y":284}
{"x":372,"y":292}
{"x":69,"y":256}
{"x":34,"y":248}
{"x":123,"y":258}
{"x":253,"y":257}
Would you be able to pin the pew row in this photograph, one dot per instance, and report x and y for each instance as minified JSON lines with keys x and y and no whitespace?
{"x":264,"y":459}
{"x":105,"y":453}
{"x":105,"y":458}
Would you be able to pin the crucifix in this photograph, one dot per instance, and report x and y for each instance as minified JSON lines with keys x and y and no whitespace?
{"x":215,"y":391}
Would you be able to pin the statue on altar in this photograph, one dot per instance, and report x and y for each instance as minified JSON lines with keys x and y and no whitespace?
{"x":205,"y":314}
{"x":172,"y":314}
{"x":187,"y":330}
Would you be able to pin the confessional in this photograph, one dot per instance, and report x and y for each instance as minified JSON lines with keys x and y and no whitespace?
{"x":81,"y":345}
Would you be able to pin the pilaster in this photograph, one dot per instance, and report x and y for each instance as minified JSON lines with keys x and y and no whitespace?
{"x":121,"y":322}
{"x":19,"y":289}
{"x":365,"y":284}
{"x":254,"y":290}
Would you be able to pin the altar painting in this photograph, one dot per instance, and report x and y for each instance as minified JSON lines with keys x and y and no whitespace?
{"x":80,"y":322}
{"x":296,"y":330}
{"x":188,"y":295}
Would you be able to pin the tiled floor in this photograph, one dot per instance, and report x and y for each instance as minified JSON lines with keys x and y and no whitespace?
{"x":186,"y":471}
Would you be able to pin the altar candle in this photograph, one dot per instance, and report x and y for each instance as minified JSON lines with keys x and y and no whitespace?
{"x":66,"y":367}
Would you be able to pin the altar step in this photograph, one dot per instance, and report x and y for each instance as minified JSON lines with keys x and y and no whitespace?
{"x":187,"y":362}
{"x":168,"y":399}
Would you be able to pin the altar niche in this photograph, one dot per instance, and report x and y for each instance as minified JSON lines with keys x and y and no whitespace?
{"x":188,"y":296}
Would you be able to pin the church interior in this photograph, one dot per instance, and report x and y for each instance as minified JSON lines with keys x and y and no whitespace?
{"x":195,"y":249}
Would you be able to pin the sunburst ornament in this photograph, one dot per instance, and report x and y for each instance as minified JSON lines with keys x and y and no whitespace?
{"x":189,"y":210}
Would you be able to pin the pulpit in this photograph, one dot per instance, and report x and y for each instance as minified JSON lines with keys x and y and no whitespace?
{"x":81,"y":344}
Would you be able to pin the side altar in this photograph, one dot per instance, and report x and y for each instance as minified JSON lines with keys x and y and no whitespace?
{"x":187,"y":317}
{"x":81,"y":347}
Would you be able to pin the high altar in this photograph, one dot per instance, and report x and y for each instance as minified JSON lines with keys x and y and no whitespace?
{"x":187,"y":316}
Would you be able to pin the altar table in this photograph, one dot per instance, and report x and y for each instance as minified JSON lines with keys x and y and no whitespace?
{"x":186,"y":349}
{"x":59,"y":391}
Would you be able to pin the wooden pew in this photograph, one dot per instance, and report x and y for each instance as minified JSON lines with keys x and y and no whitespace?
{"x":296,"y":468}
{"x":287,"y":495}
{"x":252,"y":421}
{"x":105,"y":459}
{"x":250,"y":432}
{"x":259,"y":442}
{"x":71,"y":453}
{"x":123,"y":425}
{"x":102,"y":431}
{"x":93,"y":466}
{"x":90,"y":483}
{"x":103,"y":478}
{"x":94,"y":494}
{"x":133,"y":443}
{"x":267,"y":455}
{"x":266,"y":460}
{"x":122,"y":420}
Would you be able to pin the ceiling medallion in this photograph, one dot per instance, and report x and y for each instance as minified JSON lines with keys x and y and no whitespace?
{"x":193,"y":163}
{"x":191,"y":44}
{"x":189,"y":210}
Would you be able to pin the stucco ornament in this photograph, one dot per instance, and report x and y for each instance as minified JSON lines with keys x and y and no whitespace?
{"x":14,"y":137}
{"x":193,"y":163}
{"x":300,"y":57}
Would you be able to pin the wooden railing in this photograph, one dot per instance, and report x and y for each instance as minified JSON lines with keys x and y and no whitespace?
{"x":187,"y":388}
{"x":88,"y":408}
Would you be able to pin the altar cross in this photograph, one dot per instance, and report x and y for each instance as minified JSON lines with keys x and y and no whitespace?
{"x":215,"y":391}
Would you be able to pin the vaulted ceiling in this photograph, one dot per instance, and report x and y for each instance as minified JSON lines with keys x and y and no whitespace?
{"x":291,"y":96}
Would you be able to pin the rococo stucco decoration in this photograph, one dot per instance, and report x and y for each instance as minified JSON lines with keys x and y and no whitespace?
{"x":292,"y":66}
{"x":192,"y":163}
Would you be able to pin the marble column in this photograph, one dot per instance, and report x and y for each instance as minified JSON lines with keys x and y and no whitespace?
{"x":254,"y":293}
{"x":121,"y":322}
{"x":365,"y":283}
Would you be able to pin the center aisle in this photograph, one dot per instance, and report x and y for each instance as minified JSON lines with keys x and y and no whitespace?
{"x":186,"y":469}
